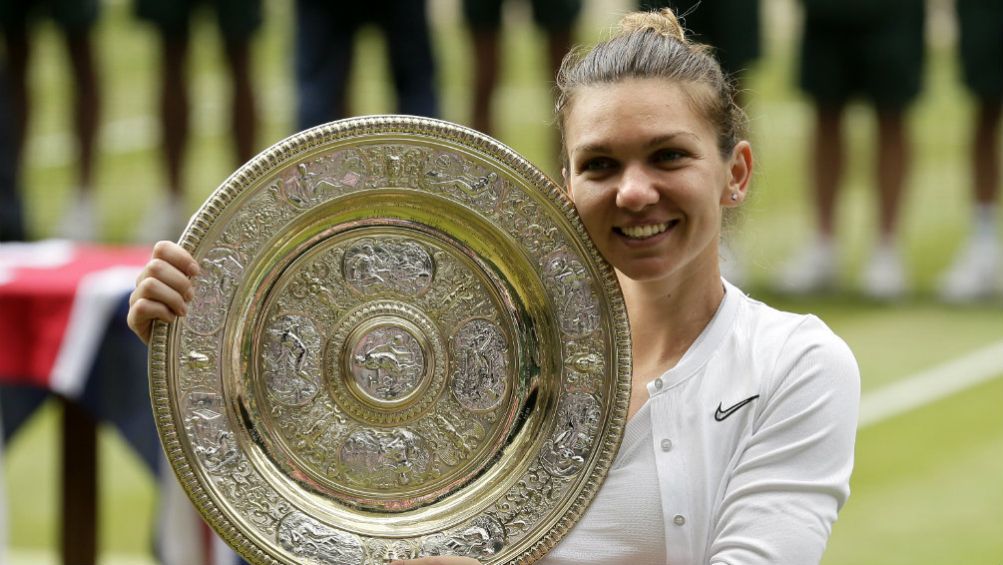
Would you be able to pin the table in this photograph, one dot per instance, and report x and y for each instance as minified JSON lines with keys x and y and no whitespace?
{"x":63,"y":308}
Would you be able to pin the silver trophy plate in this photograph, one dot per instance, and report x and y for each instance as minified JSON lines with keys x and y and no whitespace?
{"x":402,"y":343}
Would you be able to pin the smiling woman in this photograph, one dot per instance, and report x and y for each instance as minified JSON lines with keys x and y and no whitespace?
{"x":739,"y":446}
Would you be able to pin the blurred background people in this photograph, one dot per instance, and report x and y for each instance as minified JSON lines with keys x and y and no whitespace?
{"x":11,"y":208}
{"x":731,"y":27}
{"x":556,"y":18}
{"x":734,"y":29}
{"x":238,"y":20}
{"x":324,"y":46}
{"x":75,"y":20}
{"x":975,"y":272}
{"x":874,"y":50}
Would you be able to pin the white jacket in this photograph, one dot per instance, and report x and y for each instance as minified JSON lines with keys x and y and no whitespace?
{"x":752,"y":437}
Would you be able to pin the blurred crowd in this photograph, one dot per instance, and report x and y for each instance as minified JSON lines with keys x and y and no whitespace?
{"x":849,"y":51}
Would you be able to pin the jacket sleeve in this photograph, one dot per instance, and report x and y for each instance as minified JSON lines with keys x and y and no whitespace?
{"x":793,"y":473}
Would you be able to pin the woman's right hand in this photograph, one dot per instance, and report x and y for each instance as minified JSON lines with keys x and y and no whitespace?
{"x":163,"y":288}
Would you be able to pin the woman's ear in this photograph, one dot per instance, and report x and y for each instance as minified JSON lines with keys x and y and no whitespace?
{"x":567,"y":185}
{"x":739,"y":174}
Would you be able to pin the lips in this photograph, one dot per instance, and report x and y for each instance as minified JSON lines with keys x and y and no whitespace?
{"x":647,"y":230}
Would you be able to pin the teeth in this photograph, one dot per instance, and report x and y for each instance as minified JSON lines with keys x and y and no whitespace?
{"x":641,"y":232}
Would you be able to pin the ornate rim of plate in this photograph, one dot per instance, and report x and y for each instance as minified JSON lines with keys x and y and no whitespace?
{"x":402,"y":343}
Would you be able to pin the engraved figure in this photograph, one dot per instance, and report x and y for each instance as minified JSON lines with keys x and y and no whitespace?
{"x":289,"y":357}
{"x":384,"y":459}
{"x":564,"y":454}
{"x":484,"y":537}
{"x":576,"y":305}
{"x":480,"y":355}
{"x":470,"y":185}
{"x":384,"y":551}
{"x":221,"y":268}
{"x":305,"y":538}
{"x":213,"y":441}
{"x":388,"y":363}
{"x":404,"y":266}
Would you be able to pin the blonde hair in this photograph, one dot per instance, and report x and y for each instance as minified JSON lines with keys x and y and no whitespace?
{"x":654,"y":45}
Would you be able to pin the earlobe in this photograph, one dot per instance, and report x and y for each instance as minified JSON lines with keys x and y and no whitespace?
{"x":740,"y":173}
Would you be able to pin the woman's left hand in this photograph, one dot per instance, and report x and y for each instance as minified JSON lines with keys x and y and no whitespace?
{"x":441,"y":560}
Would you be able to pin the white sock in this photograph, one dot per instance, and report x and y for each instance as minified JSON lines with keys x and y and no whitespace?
{"x":984,"y":221}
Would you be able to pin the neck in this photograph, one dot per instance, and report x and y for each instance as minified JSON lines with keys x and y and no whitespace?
{"x":667,"y":317}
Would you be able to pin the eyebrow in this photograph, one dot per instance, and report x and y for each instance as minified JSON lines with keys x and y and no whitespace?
{"x":653,"y":142}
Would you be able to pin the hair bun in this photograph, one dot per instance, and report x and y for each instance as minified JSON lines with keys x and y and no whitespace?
{"x":663,"y":22}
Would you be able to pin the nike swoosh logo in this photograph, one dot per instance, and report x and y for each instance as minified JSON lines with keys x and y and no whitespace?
{"x":720,"y":414}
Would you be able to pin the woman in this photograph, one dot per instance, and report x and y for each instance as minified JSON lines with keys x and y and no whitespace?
{"x":739,"y":444}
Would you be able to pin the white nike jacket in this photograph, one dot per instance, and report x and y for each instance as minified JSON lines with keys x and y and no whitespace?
{"x":751,"y":437}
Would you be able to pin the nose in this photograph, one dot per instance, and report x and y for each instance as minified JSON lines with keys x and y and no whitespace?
{"x":637,"y":189}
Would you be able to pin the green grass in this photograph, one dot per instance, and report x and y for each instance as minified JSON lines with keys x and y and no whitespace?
{"x":926,"y":487}
{"x":926,"y":490}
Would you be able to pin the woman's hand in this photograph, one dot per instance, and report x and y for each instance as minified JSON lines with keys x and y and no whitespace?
{"x":442,"y":560}
{"x":163,"y":288}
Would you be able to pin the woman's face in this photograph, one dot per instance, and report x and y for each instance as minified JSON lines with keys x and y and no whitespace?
{"x":648,"y":179}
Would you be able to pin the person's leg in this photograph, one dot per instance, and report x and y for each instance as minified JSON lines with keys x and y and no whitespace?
{"x":323,"y":50}
{"x":167,"y":216}
{"x":87,"y":109}
{"x":11,"y":208}
{"x":174,"y":108}
{"x":884,"y":277}
{"x":814,"y":267}
{"x":827,"y":165}
{"x":18,"y":55}
{"x":485,"y":78}
{"x":892,"y":166}
{"x":986,"y":151}
{"x":974,"y":273}
{"x":412,"y":62}
{"x":243,"y":111}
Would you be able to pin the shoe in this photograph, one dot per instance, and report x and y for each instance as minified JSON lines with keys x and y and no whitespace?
{"x":165,"y":220}
{"x":811,"y":270}
{"x":884,"y":277}
{"x":975,"y":273}
{"x":78,"y":222}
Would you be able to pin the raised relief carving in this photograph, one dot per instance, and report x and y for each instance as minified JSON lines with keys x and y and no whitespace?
{"x":290,"y":359}
{"x":314,"y":181}
{"x":221,"y":269}
{"x":387,"y":363}
{"x":380,"y":551}
{"x":564,"y":453}
{"x":305,"y":538}
{"x":483,"y":537}
{"x":480,"y":356}
{"x":384,"y":459}
{"x":372,"y":265}
{"x":212,"y":438}
{"x":578,"y":313}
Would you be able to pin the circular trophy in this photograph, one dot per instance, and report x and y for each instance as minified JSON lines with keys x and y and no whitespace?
{"x":402,"y":343}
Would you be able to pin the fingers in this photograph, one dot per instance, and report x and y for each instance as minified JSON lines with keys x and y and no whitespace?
{"x":440,"y":560}
{"x":163,"y":288}
{"x":176,"y":256}
{"x":143,"y":312}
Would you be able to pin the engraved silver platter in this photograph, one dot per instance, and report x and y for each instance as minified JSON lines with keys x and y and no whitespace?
{"x":402,"y":343}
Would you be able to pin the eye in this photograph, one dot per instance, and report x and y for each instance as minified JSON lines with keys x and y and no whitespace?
{"x":668,"y":155}
{"x":596,"y":165}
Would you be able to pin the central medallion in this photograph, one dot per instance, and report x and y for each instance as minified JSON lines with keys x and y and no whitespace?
{"x":383,"y":360}
{"x":386,"y":361}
